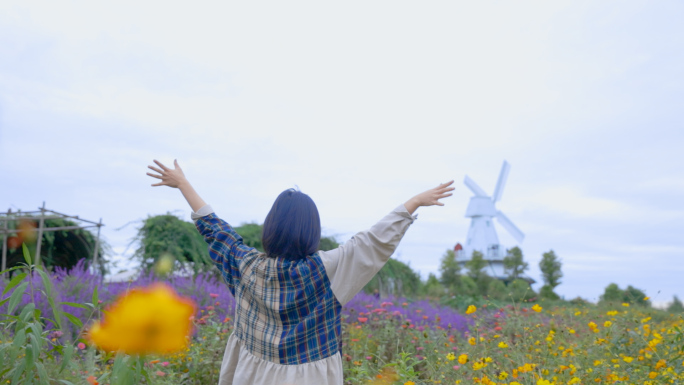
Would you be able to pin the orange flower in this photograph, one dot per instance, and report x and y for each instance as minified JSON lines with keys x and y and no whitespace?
{"x":92,"y":381}
{"x":146,"y":320}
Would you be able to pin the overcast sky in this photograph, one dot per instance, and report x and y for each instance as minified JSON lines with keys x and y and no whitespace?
{"x":362,"y":104}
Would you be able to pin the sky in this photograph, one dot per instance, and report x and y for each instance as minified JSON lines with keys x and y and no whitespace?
{"x":362,"y":104}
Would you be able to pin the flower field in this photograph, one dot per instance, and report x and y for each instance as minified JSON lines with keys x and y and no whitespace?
{"x":386,"y":340}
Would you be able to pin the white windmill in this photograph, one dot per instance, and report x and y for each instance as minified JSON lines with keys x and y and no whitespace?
{"x":482,"y":234}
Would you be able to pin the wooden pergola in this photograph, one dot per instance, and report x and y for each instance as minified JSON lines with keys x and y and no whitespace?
{"x":41,"y":215}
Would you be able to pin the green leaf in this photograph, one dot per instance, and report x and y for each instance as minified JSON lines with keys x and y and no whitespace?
{"x":18,"y":371}
{"x":3,"y":301}
{"x":27,"y":255}
{"x":95,"y":295}
{"x":50,"y":297}
{"x":66,"y":382}
{"x":14,"y":282}
{"x":11,"y":269}
{"x":44,"y":378}
{"x":68,"y":352}
{"x":26,"y":311}
{"x":19,"y":339}
{"x":73,"y":304}
{"x":73,"y":319}
{"x":16,"y":297}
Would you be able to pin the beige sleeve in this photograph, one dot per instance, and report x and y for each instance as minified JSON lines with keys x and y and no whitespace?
{"x":351,"y":266}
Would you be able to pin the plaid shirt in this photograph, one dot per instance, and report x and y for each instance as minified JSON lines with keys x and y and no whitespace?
{"x":285,"y":311}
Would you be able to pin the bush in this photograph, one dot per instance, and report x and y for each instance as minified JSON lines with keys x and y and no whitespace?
{"x":497,"y":290}
{"x":519,"y":290}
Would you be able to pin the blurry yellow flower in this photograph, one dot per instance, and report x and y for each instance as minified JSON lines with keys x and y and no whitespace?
{"x":451,"y":356}
{"x":164,"y":265}
{"x":145,"y":320}
{"x":661,"y":364}
{"x":503,"y":375}
{"x":625,"y":304}
{"x":607,"y":324}
{"x":471,"y":309}
{"x":409,"y":383}
{"x":647,"y":298}
{"x":503,"y":345}
{"x":488,"y":359}
{"x":463,"y":359}
{"x":543,"y":382}
{"x":578,"y":313}
{"x":471,"y":341}
{"x":478,"y":365}
{"x":627,"y":359}
{"x":597,"y":362}
{"x":537,"y":308}
{"x":574,"y":380}
{"x":643,"y":321}
{"x":612,"y":313}
{"x":652,"y":375}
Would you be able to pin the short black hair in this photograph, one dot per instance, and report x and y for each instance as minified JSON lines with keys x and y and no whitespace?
{"x":292,"y":229}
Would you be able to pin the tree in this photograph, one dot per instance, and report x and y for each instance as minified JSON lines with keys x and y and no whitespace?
{"x":676,"y":306}
{"x":450,"y":271}
{"x":550,"y":267}
{"x":514,"y":266}
{"x":497,"y":289}
{"x":476,"y":270}
{"x":395,"y":278}
{"x":433,"y":288}
{"x":520,"y":290}
{"x":62,"y":248}
{"x":632,"y":295}
{"x":169,"y":235}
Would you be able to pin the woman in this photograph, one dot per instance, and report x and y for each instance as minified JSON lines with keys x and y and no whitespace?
{"x":288,"y":299}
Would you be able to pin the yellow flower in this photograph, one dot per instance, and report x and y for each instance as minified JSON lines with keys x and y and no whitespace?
{"x":471,"y":309}
{"x":471,"y":341}
{"x":612,"y":313}
{"x":409,"y":383}
{"x":478,"y":365}
{"x":145,"y":320}
{"x":451,"y":356}
{"x":652,"y":375}
{"x":543,"y":382}
{"x":537,"y":308}
{"x":578,"y":313}
{"x":625,"y":304}
{"x":647,"y":298}
{"x":597,"y":362}
{"x":627,"y":359}
{"x":607,"y":324}
{"x":463,"y":359}
{"x":503,"y":345}
{"x":574,"y":380}
{"x":503,"y":375}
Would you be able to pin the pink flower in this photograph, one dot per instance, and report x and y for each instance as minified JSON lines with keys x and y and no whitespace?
{"x":368,"y":306}
{"x":385,"y":304}
{"x":363,"y":319}
{"x":210,"y":308}
{"x":165,"y":363}
{"x":369,"y":357}
{"x":420,"y":348}
{"x":213,"y":295}
{"x":81,"y":345}
{"x":160,"y":373}
{"x":456,"y":367}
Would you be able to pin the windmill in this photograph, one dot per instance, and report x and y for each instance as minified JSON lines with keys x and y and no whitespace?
{"x":482,"y":234}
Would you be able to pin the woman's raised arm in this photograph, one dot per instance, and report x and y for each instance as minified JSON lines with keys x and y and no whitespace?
{"x":176,"y":179}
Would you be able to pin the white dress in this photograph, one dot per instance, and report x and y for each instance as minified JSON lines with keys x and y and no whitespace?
{"x":349,"y":268}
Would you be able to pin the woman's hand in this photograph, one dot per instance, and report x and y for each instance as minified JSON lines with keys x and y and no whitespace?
{"x":169,"y":177}
{"x":430,"y":197}
{"x":176,"y":179}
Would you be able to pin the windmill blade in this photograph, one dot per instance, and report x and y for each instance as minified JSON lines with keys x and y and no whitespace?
{"x":474,"y":187}
{"x":503,"y":176}
{"x":508,"y":225}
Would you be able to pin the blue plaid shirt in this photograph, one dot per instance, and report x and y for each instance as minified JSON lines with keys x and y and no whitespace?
{"x":285,"y":310}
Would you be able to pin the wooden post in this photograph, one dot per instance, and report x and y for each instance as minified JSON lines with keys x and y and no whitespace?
{"x":41,"y":224}
{"x":4,"y":244}
{"x":97,"y":247}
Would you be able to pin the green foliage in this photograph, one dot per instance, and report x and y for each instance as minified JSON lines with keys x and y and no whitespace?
{"x":61,"y":248}
{"x":550,"y":266}
{"x":450,"y":270}
{"x":676,"y":306}
{"x":251,"y":235}
{"x":613,"y":294}
{"x":546,"y":292}
{"x":497,"y":290}
{"x":520,"y":290}
{"x":395,"y":278}
{"x":476,"y":270}
{"x":433,"y":288}
{"x":469,"y":286}
{"x":514,"y":265}
{"x":169,"y":235}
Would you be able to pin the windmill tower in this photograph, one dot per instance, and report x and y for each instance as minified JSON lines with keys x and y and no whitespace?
{"x":482,"y":234}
